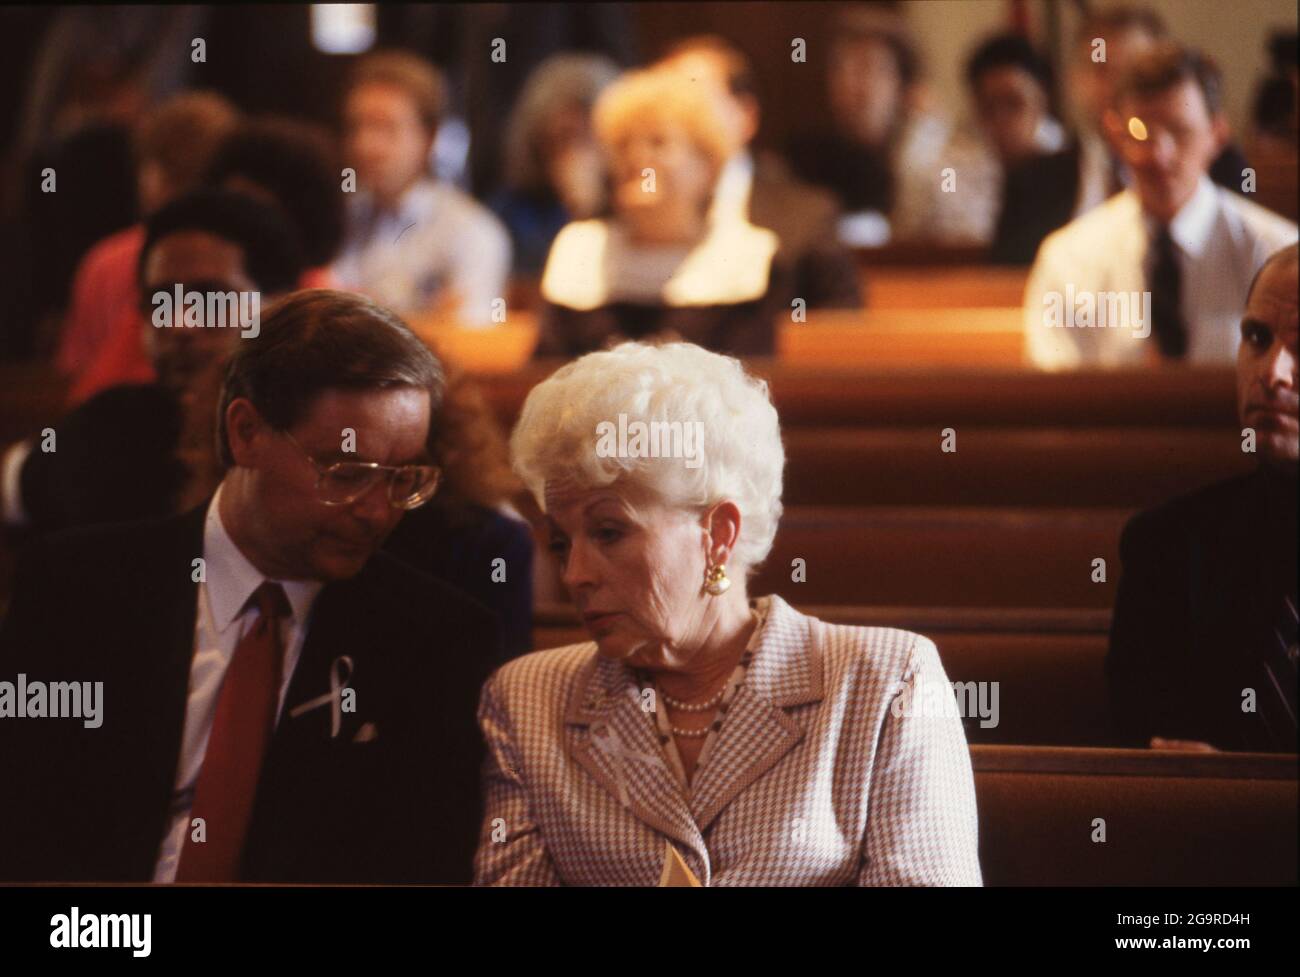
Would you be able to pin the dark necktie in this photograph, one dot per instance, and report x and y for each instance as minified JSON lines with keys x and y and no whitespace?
{"x":1279,"y":695}
{"x":1114,"y":179}
{"x":1166,"y":286}
{"x":241,"y":731}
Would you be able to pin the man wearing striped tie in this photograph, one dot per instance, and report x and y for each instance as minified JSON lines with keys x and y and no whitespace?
{"x":1203,"y":640}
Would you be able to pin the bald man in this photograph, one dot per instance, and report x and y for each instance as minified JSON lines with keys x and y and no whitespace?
{"x":1203,"y":640}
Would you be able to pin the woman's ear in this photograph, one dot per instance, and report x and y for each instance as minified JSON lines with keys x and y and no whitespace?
{"x":722,"y":523}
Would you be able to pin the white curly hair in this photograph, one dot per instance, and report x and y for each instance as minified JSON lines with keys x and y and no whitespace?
{"x":741,"y":459}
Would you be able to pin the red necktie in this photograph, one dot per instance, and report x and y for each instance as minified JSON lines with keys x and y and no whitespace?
{"x":241,"y":731}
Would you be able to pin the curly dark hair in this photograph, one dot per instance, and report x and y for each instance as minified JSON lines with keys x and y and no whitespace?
{"x":272,"y":254}
{"x":296,"y":164}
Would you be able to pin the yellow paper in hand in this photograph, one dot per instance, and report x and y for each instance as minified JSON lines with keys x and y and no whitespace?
{"x":676,"y":872}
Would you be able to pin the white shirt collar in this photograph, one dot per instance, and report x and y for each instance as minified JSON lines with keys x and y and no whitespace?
{"x":731,"y":192}
{"x":231,"y":578}
{"x":1193,"y":223}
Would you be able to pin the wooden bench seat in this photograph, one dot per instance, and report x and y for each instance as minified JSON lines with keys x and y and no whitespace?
{"x":996,"y":466}
{"x":963,"y":556}
{"x":1169,"y":818}
{"x":863,"y":398}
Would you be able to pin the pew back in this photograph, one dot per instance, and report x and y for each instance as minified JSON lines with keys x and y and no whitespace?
{"x":1168,"y":818}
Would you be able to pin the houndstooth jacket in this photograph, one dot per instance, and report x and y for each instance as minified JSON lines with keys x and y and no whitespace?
{"x":813,"y":779}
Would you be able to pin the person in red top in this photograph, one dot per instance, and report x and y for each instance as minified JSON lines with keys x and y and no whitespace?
{"x":174,"y":145}
{"x":290,"y":165}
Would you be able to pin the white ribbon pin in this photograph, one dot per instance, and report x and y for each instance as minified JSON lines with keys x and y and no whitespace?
{"x":340,"y":675}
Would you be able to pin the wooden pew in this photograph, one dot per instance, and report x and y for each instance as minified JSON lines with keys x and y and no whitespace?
{"x":965,"y":556}
{"x":1169,"y":818}
{"x":834,"y":397}
{"x":943,"y":286}
{"x":1083,"y":467}
{"x":913,"y":337}
{"x":890,"y":281}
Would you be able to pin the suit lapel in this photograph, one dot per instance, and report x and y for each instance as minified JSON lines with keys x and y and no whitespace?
{"x":615,"y":740}
{"x":758,"y":732}
{"x":165,"y":650}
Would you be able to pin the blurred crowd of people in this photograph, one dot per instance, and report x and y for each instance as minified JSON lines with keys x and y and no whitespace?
{"x":635,"y":202}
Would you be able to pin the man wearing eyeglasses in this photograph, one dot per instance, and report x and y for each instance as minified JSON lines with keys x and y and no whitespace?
{"x":1159,"y":272}
{"x":282,"y":702}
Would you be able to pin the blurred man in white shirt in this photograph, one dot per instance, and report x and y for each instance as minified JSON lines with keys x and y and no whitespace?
{"x":1161,"y":270}
{"x":413,"y":244}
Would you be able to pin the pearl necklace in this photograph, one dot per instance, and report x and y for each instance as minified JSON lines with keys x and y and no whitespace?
{"x":698,"y":707}
{"x":693,"y":734}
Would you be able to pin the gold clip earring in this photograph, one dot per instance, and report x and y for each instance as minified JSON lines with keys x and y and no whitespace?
{"x":716,"y":581}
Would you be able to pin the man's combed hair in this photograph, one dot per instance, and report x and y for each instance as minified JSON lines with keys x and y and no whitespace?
{"x":1168,"y":64}
{"x":420,"y":80}
{"x":320,"y":340}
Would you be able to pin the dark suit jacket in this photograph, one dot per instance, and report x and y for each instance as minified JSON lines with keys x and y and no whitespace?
{"x":822,"y":271}
{"x":116,"y":461}
{"x":117,"y":604}
{"x":1201,"y":589}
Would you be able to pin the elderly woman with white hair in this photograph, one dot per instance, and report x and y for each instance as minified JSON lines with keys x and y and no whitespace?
{"x":702,"y":735}
{"x":658,"y":264}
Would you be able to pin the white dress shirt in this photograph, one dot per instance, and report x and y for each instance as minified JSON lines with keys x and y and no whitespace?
{"x":1221,"y":239}
{"x":436,"y":238}
{"x":732,"y":191}
{"x":594,"y":262}
{"x":221,"y":620}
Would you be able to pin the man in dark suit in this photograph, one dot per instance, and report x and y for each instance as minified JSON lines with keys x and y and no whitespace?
{"x":145,"y":450}
{"x":269,"y":698}
{"x":1203,"y":640}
